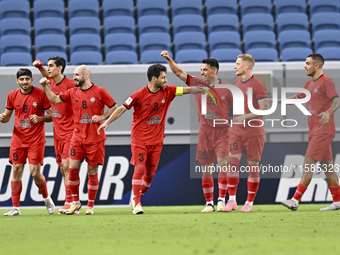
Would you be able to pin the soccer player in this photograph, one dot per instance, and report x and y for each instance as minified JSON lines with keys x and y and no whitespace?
{"x":62,"y":118}
{"x":28,"y":139}
{"x":213,"y":140}
{"x":322,"y":105}
{"x":151,"y":104}
{"x":88,"y":102}
{"x":246,"y":137}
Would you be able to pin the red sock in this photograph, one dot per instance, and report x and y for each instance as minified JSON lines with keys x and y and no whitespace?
{"x":208,"y":187}
{"x":16,"y":191}
{"x":43,"y":188}
{"x":253,"y":182}
{"x":147,"y":180}
{"x":335,"y":191}
{"x":233,"y":176}
{"x":68,"y":194}
{"x":74,"y":182}
{"x":92,"y":188}
{"x":222,"y":184}
{"x":301,"y":188}
{"x":137,"y":182}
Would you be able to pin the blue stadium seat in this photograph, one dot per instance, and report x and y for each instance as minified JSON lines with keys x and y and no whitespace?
{"x":191,"y":56}
{"x":49,"y":26}
{"x":81,"y":8}
{"x":44,"y":56}
{"x":152,"y":7}
{"x":155,"y":41}
{"x":189,"y":40}
{"x":221,"y":6}
{"x":15,"y":26}
{"x":84,"y":25}
{"x":223,"y":22}
{"x":86,"y":58}
{"x":326,"y":38}
{"x":316,"y":6}
{"x":224,"y":40}
{"x":179,"y":7}
{"x":263,"y":54}
{"x":117,"y":8}
{"x":258,"y":6}
{"x":259,"y":39}
{"x":16,"y":59}
{"x":295,"y":54}
{"x":292,"y":21}
{"x":330,"y":53}
{"x":85,"y":42}
{"x":121,"y":58}
{"x":225,"y":55}
{"x":153,"y":23}
{"x":48,"y":43}
{"x":325,"y":20}
{"x":49,"y":9}
{"x":294,"y":38}
{"x":289,"y":6}
{"x":254,"y":21}
{"x":119,"y":24}
{"x":14,"y":9}
{"x":120,"y":41}
{"x":187,"y":23}
{"x":152,"y":57}
{"x":15,"y":43}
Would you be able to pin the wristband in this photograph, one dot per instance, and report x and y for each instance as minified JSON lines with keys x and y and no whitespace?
{"x":41,"y":65}
{"x":330,"y":111}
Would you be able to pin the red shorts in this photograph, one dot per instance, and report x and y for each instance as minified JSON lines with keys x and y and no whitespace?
{"x":147,"y":155}
{"x":95,"y":153}
{"x":251,"y":145}
{"x":62,"y":148}
{"x":34,"y":153}
{"x":212,"y":143}
{"x":319,"y":147}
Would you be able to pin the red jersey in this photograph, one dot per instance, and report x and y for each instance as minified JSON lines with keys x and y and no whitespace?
{"x":259,"y":92}
{"x":62,"y":113}
{"x":149,"y":114}
{"x":322,"y":92}
{"x":85,"y":104}
{"x":26,"y":132}
{"x":214,"y":111}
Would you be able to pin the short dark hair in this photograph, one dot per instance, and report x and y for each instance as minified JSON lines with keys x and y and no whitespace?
{"x":23,"y":72}
{"x":155,"y":70}
{"x":212,"y":62}
{"x":59,"y":61}
{"x":318,"y":57}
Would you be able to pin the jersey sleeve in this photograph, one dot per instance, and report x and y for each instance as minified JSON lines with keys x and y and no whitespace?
{"x":132,"y":100}
{"x":45,"y":102}
{"x":65,"y":96}
{"x":172,"y":92}
{"x":330,"y":90}
{"x":260,"y":90}
{"x":302,"y":95}
{"x":107,"y":99}
{"x":9,"y":103}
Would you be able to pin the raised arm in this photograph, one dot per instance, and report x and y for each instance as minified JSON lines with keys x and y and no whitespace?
{"x":6,"y":116}
{"x":115,"y":115}
{"x":54,"y":99}
{"x":38,"y":64}
{"x":174,"y":67}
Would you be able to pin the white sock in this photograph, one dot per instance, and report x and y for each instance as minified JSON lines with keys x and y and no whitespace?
{"x":295,"y":200}
{"x":232,"y":198}
{"x":210,"y":202}
{"x":250,"y":203}
{"x":221,"y":198}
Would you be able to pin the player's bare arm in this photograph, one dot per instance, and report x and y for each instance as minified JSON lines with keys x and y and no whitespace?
{"x":263,"y":106}
{"x":268,"y":100}
{"x":47,"y":118}
{"x":189,"y":90}
{"x":6,"y":116}
{"x":54,"y":99}
{"x":38,"y":64}
{"x":325,"y":115}
{"x":99,"y":118}
{"x":174,"y":67}
{"x":115,"y":115}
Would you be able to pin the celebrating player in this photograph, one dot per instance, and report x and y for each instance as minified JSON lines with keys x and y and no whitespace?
{"x":88,"y":102}
{"x":322,"y":105}
{"x":28,"y":139}
{"x":62,"y":118}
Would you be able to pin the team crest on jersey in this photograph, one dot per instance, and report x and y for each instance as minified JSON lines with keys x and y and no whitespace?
{"x":154,"y":120}
{"x":223,"y":97}
{"x":86,"y":118}
{"x":93,"y":99}
{"x":25,"y":123}
{"x":163,"y":101}
{"x":315,"y":90}
{"x":35,"y":104}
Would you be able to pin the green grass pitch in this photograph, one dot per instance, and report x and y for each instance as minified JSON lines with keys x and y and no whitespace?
{"x":269,"y":229}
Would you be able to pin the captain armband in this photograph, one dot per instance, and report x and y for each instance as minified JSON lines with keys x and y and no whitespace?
{"x":179,"y":91}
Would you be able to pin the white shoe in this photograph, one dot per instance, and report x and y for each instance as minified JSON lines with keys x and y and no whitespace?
{"x":138,"y":209}
{"x":49,"y":205}
{"x":89,"y":211}
{"x":74,"y":209}
{"x":220,"y":205}
{"x":334,"y":206}
{"x":290,"y":204}
{"x":209,"y":208}
{"x":13,"y":212}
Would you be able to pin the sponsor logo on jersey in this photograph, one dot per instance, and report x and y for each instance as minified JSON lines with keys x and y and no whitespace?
{"x":163,"y":101}
{"x":86,"y":119}
{"x":128,"y":101}
{"x":35,"y":104}
{"x":154,"y":120}
{"x":309,"y":108}
{"x":93,"y":99}
{"x":55,"y":113}
{"x":25,"y":123}
{"x":211,"y":115}
{"x":315,"y":90}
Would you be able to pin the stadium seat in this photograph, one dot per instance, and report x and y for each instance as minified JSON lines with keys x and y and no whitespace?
{"x":152,"y":7}
{"x":153,"y":23}
{"x":326,"y":38}
{"x":15,"y":26}
{"x":117,"y":8}
{"x":258,"y":6}
{"x":121,"y":58}
{"x":120,"y":41}
{"x":289,"y":6}
{"x":224,"y":40}
{"x":49,"y":9}
{"x":259,"y":39}
{"x":254,"y":21}
{"x":294,"y":38}
{"x":15,"y":43}
{"x":295,"y":54}
{"x":154,"y":41}
{"x":119,"y":24}
{"x":221,"y":6}
{"x":189,"y":40}
{"x":14,"y":9}
{"x":325,"y":20}
{"x":292,"y":21}
{"x":85,"y":42}
{"x":49,"y":26}
{"x":84,"y":25}
{"x":86,"y":58}
{"x":330,"y":53}
{"x":316,"y":6}
{"x":16,"y":59}
{"x":222,"y":22}
{"x":48,"y":43}
{"x":44,"y":56}
{"x":187,"y":23}
{"x":263,"y":54}
{"x":191,"y":56}
{"x":152,"y":57}
{"x":225,"y":55}
{"x":179,"y":7}
{"x":81,"y":8}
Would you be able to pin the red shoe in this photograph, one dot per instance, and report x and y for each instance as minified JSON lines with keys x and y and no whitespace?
{"x":231,"y":205}
{"x":64,"y":208}
{"x":246,"y":208}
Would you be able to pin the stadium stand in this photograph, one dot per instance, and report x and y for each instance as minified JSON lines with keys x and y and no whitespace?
{"x":259,"y":39}
{"x":254,"y":21}
{"x":179,"y":7}
{"x":16,"y":59}
{"x":326,"y":38}
{"x":264,"y":55}
{"x":16,"y":26}
{"x":258,"y":6}
{"x":225,"y":55}
{"x":147,"y":24}
{"x":330,"y":53}
{"x":46,"y":25}
{"x":14,"y":9}
{"x":49,"y":9}
{"x":292,"y":21}
{"x":152,"y":56}
{"x":222,"y":22}
{"x":295,"y":54}
{"x":191,"y":56}
{"x":121,"y":57}
{"x":120,"y":41}
{"x":189,"y":40}
{"x":47,"y":43}
{"x":119,"y":24}
{"x":325,"y":20}
{"x":117,"y":8}
{"x":317,"y":6}
{"x":221,"y":6}
{"x":188,"y":23}
{"x":84,"y":25}
{"x":83,"y":8}
{"x":290,"y":6}
{"x":86,"y":58}
{"x":224,"y":40}
{"x":15,"y":43}
{"x":294,"y":38}
{"x":152,"y":7}
{"x":155,"y":41}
